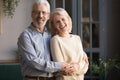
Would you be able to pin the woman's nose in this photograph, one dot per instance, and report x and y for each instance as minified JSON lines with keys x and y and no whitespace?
{"x":61,"y":23}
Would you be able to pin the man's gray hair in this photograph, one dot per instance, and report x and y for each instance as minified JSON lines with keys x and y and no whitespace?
{"x":42,"y":2}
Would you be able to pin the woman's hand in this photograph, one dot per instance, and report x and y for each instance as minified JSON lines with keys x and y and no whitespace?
{"x":70,"y":69}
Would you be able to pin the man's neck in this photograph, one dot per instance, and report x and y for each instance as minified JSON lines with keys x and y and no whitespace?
{"x":41,"y":29}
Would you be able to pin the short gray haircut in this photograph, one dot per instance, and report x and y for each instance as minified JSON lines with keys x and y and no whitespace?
{"x":41,"y":2}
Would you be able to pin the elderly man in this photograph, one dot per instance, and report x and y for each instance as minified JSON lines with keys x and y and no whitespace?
{"x":33,"y":46}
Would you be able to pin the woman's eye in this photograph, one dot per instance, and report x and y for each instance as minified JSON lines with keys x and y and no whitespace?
{"x":63,"y":19}
{"x":57,"y":22}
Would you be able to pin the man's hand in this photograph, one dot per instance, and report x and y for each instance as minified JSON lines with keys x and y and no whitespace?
{"x":85,"y":58}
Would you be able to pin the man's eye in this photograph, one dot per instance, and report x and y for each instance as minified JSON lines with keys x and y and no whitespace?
{"x":39,"y":12}
{"x":44,"y":13}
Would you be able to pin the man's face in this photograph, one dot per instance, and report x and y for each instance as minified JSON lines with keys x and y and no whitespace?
{"x":40,"y":15}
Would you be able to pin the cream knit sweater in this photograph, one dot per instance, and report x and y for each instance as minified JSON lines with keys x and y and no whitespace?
{"x":69,"y":50}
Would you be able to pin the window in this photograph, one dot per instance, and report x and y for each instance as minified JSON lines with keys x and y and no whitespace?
{"x":89,"y":29}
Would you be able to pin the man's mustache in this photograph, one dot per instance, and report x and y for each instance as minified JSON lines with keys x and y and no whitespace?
{"x":38,"y":18}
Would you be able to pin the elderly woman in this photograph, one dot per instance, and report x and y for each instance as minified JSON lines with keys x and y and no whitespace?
{"x":66,"y":47}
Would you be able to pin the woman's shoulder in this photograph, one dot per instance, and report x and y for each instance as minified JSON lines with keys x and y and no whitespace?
{"x":74,"y":35}
{"x":55,"y":37}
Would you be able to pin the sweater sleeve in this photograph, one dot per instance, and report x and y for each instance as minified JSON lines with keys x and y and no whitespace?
{"x":56,"y":50}
{"x":83,"y":64}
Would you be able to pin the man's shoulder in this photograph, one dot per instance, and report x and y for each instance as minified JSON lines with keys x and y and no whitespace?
{"x":25,"y":32}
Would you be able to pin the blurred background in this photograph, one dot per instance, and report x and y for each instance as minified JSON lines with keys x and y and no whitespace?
{"x":95,"y":21}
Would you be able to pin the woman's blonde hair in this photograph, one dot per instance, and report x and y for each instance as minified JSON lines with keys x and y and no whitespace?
{"x":59,"y":11}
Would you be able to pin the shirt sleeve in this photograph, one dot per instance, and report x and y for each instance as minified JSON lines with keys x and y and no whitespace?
{"x":56,"y":50}
{"x":28,"y":53}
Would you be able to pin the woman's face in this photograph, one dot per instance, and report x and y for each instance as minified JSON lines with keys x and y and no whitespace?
{"x":61,"y":23}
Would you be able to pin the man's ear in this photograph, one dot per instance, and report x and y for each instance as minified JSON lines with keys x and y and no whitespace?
{"x":31,"y":14}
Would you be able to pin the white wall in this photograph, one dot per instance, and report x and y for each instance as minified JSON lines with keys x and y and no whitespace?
{"x":11,"y":29}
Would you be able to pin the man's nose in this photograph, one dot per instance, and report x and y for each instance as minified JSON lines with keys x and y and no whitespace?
{"x":40,"y":14}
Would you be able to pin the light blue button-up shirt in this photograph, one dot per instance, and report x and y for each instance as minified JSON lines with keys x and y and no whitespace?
{"x":34,"y":53}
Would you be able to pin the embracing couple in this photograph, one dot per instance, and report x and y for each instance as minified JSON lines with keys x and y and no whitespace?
{"x":51,"y":55}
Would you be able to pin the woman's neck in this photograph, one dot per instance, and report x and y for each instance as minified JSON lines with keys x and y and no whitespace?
{"x":64,"y":34}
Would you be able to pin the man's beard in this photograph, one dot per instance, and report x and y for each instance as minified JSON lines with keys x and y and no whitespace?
{"x":39,"y":25}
